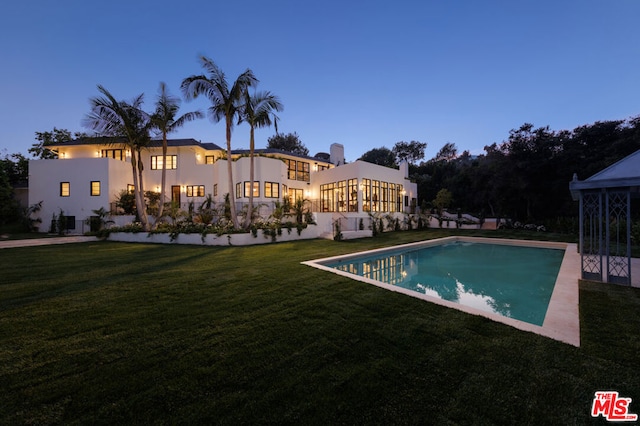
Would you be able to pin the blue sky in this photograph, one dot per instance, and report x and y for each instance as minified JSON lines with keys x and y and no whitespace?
{"x":362,"y":73}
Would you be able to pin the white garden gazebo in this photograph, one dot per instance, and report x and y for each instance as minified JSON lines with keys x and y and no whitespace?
{"x":605,"y":220}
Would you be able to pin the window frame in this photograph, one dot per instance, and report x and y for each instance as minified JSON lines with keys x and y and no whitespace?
{"x":199,"y":190}
{"x":172,"y":160}
{"x":92,"y":191}
{"x":269,"y":189}
{"x":65,"y":189}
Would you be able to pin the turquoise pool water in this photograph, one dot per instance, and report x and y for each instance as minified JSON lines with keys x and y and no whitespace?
{"x":512,"y":281}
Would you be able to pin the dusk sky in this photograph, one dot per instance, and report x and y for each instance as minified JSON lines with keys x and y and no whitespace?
{"x":365,"y":74}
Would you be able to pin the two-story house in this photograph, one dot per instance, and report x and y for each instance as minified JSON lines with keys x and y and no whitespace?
{"x":90,"y":174}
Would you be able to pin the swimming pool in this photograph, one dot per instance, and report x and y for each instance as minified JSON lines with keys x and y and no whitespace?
{"x":530,"y":285}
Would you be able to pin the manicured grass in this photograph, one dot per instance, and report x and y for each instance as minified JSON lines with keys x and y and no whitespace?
{"x":112,"y":333}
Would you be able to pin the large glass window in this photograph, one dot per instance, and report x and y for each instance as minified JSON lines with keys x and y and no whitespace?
{"x":399,"y":198}
{"x":95,"y":188}
{"x":384,"y":197}
{"x":156,"y":162}
{"x":327,"y":197}
{"x":195,"y":190}
{"x":209,"y":159}
{"x":375,"y":195}
{"x":291,"y":168}
{"x":295,"y":194}
{"x":256,"y":189}
{"x":366,"y":195}
{"x":65,"y":189}
{"x":298,"y":170}
{"x":303,"y":171}
{"x":353,"y":195}
{"x":271,"y":190}
{"x":118,"y":154}
{"x":393,"y":196}
{"x":341,"y":196}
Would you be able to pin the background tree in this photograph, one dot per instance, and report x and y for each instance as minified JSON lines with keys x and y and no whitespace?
{"x":123,"y":121}
{"x":165,"y":121}
{"x":526,"y":176}
{"x":443,"y":200}
{"x":45,"y":139}
{"x":225,"y":104}
{"x":447,"y":153}
{"x":409,"y":151}
{"x":8,"y":203}
{"x":382,"y":156}
{"x":290,"y":143}
{"x":258,"y":112}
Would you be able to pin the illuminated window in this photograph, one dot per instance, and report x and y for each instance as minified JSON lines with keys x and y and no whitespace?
{"x":95,"y":188}
{"x":375,"y":195}
{"x":209,"y":159}
{"x":118,"y":154}
{"x":271,"y":190}
{"x":353,"y":195}
{"x":393,"y":195}
{"x":256,"y":189}
{"x":195,"y":190}
{"x":303,"y":171}
{"x":291,"y":168}
{"x":295,"y":194}
{"x":156,"y":162}
{"x":65,"y":190}
{"x":238,"y":190}
{"x":298,"y":170}
{"x":384,"y":196}
{"x":130,"y":188}
{"x":366,"y":195}
{"x":341,"y":196}
{"x":327,"y":197}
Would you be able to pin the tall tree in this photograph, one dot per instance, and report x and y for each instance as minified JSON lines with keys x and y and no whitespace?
{"x":290,"y":142}
{"x":381,"y":156}
{"x":447,"y":153}
{"x":164,"y":120}
{"x":409,"y":151}
{"x":226,"y":103}
{"x":258,"y":112}
{"x":127,"y":121}
{"x":45,"y":139}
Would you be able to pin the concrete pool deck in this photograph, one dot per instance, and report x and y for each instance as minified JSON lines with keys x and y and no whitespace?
{"x":562,"y":321}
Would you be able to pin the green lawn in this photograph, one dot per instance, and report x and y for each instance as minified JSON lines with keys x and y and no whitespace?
{"x":112,"y":333}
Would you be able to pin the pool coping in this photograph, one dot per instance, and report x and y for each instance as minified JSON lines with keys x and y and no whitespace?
{"x":562,"y":320}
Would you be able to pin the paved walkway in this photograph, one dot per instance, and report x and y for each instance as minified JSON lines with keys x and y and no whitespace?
{"x":31,"y":242}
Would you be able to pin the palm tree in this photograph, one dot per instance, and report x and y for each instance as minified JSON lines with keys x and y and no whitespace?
{"x":164,"y":120}
{"x":120,"y":119}
{"x":258,"y":112}
{"x":225,"y":103}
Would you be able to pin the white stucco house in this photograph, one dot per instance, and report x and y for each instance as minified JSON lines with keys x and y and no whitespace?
{"x":90,"y":173}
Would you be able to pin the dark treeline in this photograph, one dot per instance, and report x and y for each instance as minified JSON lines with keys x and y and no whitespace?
{"x":526,"y":177}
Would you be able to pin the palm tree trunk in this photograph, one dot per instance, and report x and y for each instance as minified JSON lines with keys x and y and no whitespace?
{"x":136,"y":185}
{"x":232,"y":200}
{"x":142,"y":211}
{"x":251,"y":178}
{"x":164,"y":177}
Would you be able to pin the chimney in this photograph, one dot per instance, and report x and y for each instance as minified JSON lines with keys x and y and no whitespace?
{"x":404,"y":169}
{"x":336,"y":153}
